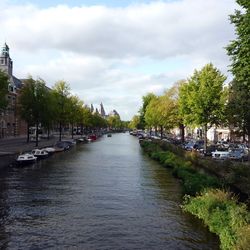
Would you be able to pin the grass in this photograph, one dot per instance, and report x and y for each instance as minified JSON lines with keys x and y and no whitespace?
{"x":220,"y":211}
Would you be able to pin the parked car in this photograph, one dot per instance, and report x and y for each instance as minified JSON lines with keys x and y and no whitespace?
{"x":223,"y":143}
{"x":220,"y":155}
{"x":209,"y":150}
{"x":194,"y":145}
{"x":238,"y":154}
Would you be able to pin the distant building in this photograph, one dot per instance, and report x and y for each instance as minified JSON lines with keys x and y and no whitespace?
{"x":10,"y":122}
{"x":102,"y":111}
{"x":114,"y":113}
{"x":91,"y":108}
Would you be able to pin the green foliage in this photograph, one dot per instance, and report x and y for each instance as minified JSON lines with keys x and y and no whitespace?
{"x":4,"y":82}
{"x":134,"y":123}
{"x":239,"y":49}
{"x":33,"y":101}
{"x":223,"y":215}
{"x":162,"y":111}
{"x":203,"y":97}
{"x":239,"y":52}
{"x":145,"y":102}
{"x":61,"y":94}
{"x":193,"y":181}
{"x":114,"y":122}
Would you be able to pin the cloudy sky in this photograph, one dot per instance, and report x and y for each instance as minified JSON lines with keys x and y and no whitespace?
{"x":116,"y":51}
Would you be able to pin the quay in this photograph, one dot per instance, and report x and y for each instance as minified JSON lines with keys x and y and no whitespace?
{"x":11,"y":147}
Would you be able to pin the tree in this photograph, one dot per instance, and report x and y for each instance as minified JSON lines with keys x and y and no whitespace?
{"x":239,"y":52}
{"x":114,"y":122}
{"x":151,"y":114}
{"x":237,"y":113}
{"x":146,"y":100}
{"x":203,"y":98}
{"x":167,"y":110}
{"x":4,"y":82}
{"x":33,"y":103}
{"x":48,"y":117}
{"x":74,"y":112}
{"x":61,"y":92}
{"x":133,"y":124}
{"x":239,"y":49}
{"x":162,"y":111}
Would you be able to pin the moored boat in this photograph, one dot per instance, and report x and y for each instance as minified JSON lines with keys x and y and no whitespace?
{"x":40,"y":153}
{"x":82,"y":139}
{"x":25,"y":159}
{"x":50,"y":150}
{"x":62,"y":146}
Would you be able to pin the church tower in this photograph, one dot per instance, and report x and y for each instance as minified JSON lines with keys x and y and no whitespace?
{"x":6,"y":63}
{"x":102,"y":111}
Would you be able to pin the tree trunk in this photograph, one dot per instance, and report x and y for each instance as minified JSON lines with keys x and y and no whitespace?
{"x":60,"y":131}
{"x":28,"y":133}
{"x":205,"y":138}
{"x":248,"y":135}
{"x":36,"y":134}
{"x":182,"y":129}
{"x":48,"y":132}
{"x":72,"y":130}
{"x":81,"y":129}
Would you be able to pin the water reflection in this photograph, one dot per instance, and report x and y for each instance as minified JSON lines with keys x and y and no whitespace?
{"x":103,"y":195}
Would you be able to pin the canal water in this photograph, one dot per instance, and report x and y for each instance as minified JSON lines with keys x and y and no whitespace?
{"x":101,"y":195}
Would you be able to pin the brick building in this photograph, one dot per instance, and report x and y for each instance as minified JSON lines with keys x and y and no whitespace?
{"x":10,"y":122}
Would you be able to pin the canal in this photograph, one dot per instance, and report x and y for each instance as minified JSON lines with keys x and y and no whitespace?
{"x":101,"y":195}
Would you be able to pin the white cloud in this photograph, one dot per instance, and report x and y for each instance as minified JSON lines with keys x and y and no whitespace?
{"x":98,"y":49}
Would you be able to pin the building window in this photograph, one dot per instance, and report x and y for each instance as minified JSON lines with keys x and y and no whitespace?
{"x":2,"y":61}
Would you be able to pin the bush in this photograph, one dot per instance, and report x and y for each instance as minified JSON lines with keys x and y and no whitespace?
{"x":223,"y":215}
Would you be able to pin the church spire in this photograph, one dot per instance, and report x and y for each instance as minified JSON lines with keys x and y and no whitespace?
{"x":102,"y":111}
{"x":5,"y":50}
{"x":6,"y":63}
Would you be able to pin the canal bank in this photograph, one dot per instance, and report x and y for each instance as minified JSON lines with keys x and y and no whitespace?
{"x":207,"y":198}
{"x":11,"y":147}
{"x":101,"y":195}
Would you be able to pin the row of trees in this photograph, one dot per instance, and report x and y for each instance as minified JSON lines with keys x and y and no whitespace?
{"x":199,"y":101}
{"x":204,"y":100}
{"x":41,"y":106}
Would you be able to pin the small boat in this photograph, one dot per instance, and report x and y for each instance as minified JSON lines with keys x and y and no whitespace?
{"x":70,"y":142}
{"x":92,"y":137}
{"x":82,"y":139}
{"x":50,"y":150}
{"x":62,"y":146}
{"x":40,"y":153}
{"x":109,"y":135}
{"x":25,"y":159}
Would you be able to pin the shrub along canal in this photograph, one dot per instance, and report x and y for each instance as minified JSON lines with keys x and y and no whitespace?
{"x":102,"y":195}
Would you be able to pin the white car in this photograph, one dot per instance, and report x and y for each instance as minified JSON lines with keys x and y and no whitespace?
{"x":220,"y":155}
